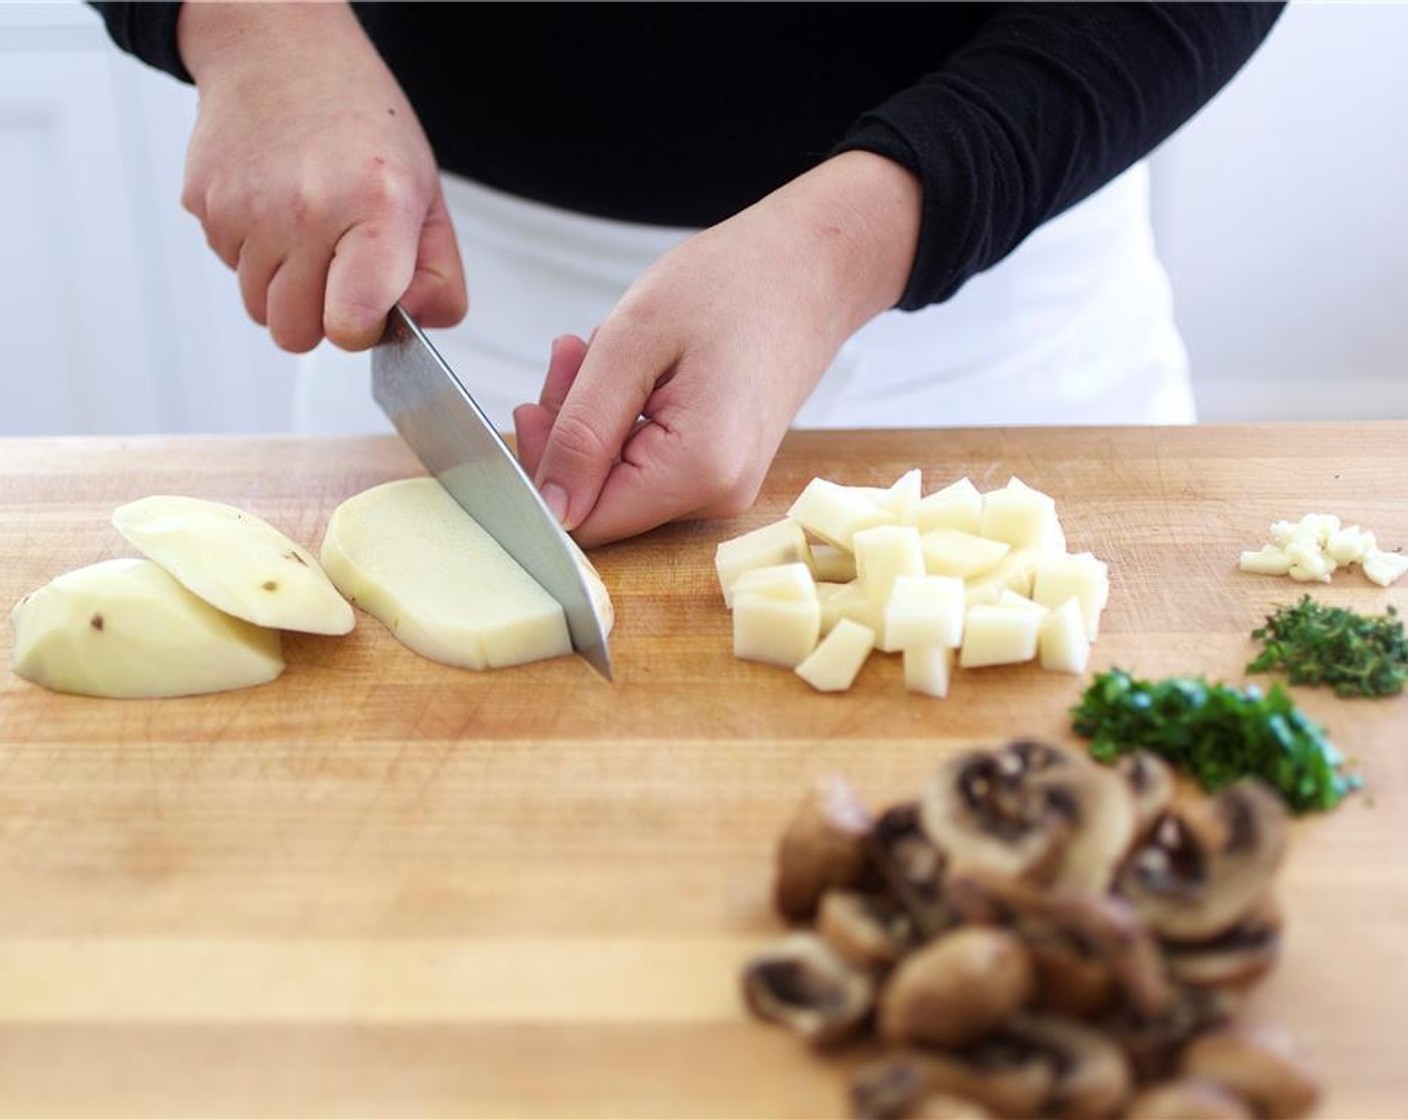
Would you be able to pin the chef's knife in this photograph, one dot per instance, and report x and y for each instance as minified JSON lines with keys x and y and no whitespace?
{"x":436,"y":416}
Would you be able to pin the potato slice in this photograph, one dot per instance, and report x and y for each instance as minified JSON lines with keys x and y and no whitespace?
{"x":127,"y":629}
{"x":407,"y":554}
{"x":236,"y":562}
{"x":994,"y":635}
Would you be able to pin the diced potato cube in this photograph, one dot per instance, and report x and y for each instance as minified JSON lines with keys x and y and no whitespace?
{"x":777,"y":581}
{"x":1062,"y":643}
{"x":952,"y":552}
{"x":832,"y":564}
{"x":831,"y":596}
{"x":835,"y":513}
{"x":883,"y":553}
{"x":924,"y":611}
{"x":994,"y":635}
{"x":1009,"y":598}
{"x":957,"y":506}
{"x":1267,"y":561}
{"x":903,"y":496}
{"x":1014,"y":572}
{"x":777,"y":631}
{"x":1079,"y":574}
{"x":854,"y":603}
{"x":782,"y":542}
{"x":928,"y":669}
{"x":1384,"y":568}
{"x":1018,"y":515}
{"x":834,"y":664}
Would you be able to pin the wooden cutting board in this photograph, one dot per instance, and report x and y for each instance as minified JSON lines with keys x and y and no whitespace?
{"x":382,"y":887}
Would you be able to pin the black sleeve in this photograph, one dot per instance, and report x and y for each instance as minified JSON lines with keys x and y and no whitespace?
{"x":147,"y":29}
{"x":1044,"y":105}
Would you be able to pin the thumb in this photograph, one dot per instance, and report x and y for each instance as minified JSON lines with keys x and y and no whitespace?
{"x":622,"y":368}
{"x":437,"y":295}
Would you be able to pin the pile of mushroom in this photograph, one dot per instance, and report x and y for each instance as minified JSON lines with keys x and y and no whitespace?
{"x":1036,"y":935}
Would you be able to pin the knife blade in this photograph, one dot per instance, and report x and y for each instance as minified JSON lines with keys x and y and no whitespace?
{"x":436,"y":416}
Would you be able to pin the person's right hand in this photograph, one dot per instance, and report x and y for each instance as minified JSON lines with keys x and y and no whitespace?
{"x":312,"y":177}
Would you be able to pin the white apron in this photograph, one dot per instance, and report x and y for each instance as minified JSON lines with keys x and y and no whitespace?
{"x":1075,"y":326}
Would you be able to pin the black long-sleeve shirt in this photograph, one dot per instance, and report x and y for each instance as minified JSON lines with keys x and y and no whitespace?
{"x":682,"y":114}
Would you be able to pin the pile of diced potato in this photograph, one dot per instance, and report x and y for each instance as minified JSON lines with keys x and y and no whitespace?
{"x":954,"y":577}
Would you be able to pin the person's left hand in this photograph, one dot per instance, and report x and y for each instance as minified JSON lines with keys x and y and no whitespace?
{"x":677,"y":406}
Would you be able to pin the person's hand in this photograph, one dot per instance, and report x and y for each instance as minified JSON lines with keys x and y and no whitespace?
{"x":676,"y":407}
{"x":312,"y":176}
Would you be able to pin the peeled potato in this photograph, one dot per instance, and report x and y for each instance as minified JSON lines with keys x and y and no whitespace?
{"x":407,"y":554}
{"x":237,"y":562}
{"x":126,"y":628}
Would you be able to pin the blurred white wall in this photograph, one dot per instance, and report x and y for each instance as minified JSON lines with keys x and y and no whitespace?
{"x":1280,"y":210}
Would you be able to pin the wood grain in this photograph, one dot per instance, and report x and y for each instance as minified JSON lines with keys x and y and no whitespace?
{"x":382,"y":887}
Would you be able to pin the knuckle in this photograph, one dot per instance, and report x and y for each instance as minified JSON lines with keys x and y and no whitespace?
{"x":731,"y":482}
{"x":576,"y":441}
{"x":387,"y":187}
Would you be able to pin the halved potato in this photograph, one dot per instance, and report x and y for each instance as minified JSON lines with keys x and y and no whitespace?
{"x":126,"y":628}
{"x":236,"y":562}
{"x":407,"y":554}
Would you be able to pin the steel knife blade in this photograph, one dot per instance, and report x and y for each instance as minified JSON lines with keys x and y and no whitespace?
{"x":436,"y":416}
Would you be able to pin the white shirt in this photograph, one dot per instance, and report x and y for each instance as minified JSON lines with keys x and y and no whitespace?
{"x":1075,"y":326}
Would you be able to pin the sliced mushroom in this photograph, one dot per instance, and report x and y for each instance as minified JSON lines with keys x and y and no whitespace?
{"x":868,"y":930}
{"x":1262,"y":1065}
{"x":1208,"y":863}
{"x":1036,"y":1065}
{"x":1069,"y":981}
{"x":1188,"y":1098}
{"x":1150,"y":781}
{"x":1008,"y":1075}
{"x":1240,"y":956}
{"x":803,"y":984}
{"x":1153,"y":1043}
{"x":897,"y":1087}
{"x":888,"y":1089}
{"x":1093,"y":1076}
{"x":825,"y":845}
{"x":913,"y":868}
{"x":1030,"y":810}
{"x":956,"y":989}
{"x":1086,"y":946}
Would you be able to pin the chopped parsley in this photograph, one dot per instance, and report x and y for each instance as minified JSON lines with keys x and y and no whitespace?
{"x":1216,"y":733}
{"x":1355,"y":654}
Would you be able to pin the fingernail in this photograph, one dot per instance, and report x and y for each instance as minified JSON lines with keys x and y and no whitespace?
{"x":556,"y":498}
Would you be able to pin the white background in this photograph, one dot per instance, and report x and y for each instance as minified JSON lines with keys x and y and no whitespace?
{"x":1281,"y":211}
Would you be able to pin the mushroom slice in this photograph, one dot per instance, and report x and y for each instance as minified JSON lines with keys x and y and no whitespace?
{"x":868,"y":930}
{"x":803,"y":984}
{"x":897,"y":1087}
{"x":825,"y":845}
{"x":1031,"y":810}
{"x":1150,"y":781}
{"x":1153,"y":1042}
{"x":1008,"y":1074}
{"x":1093,"y":1076}
{"x":1237,"y":957}
{"x":1260,"y":1064}
{"x":956,"y":989}
{"x":1086,"y":946}
{"x":1188,"y":1098}
{"x":912,"y":868}
{"x":1207,"y":864}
